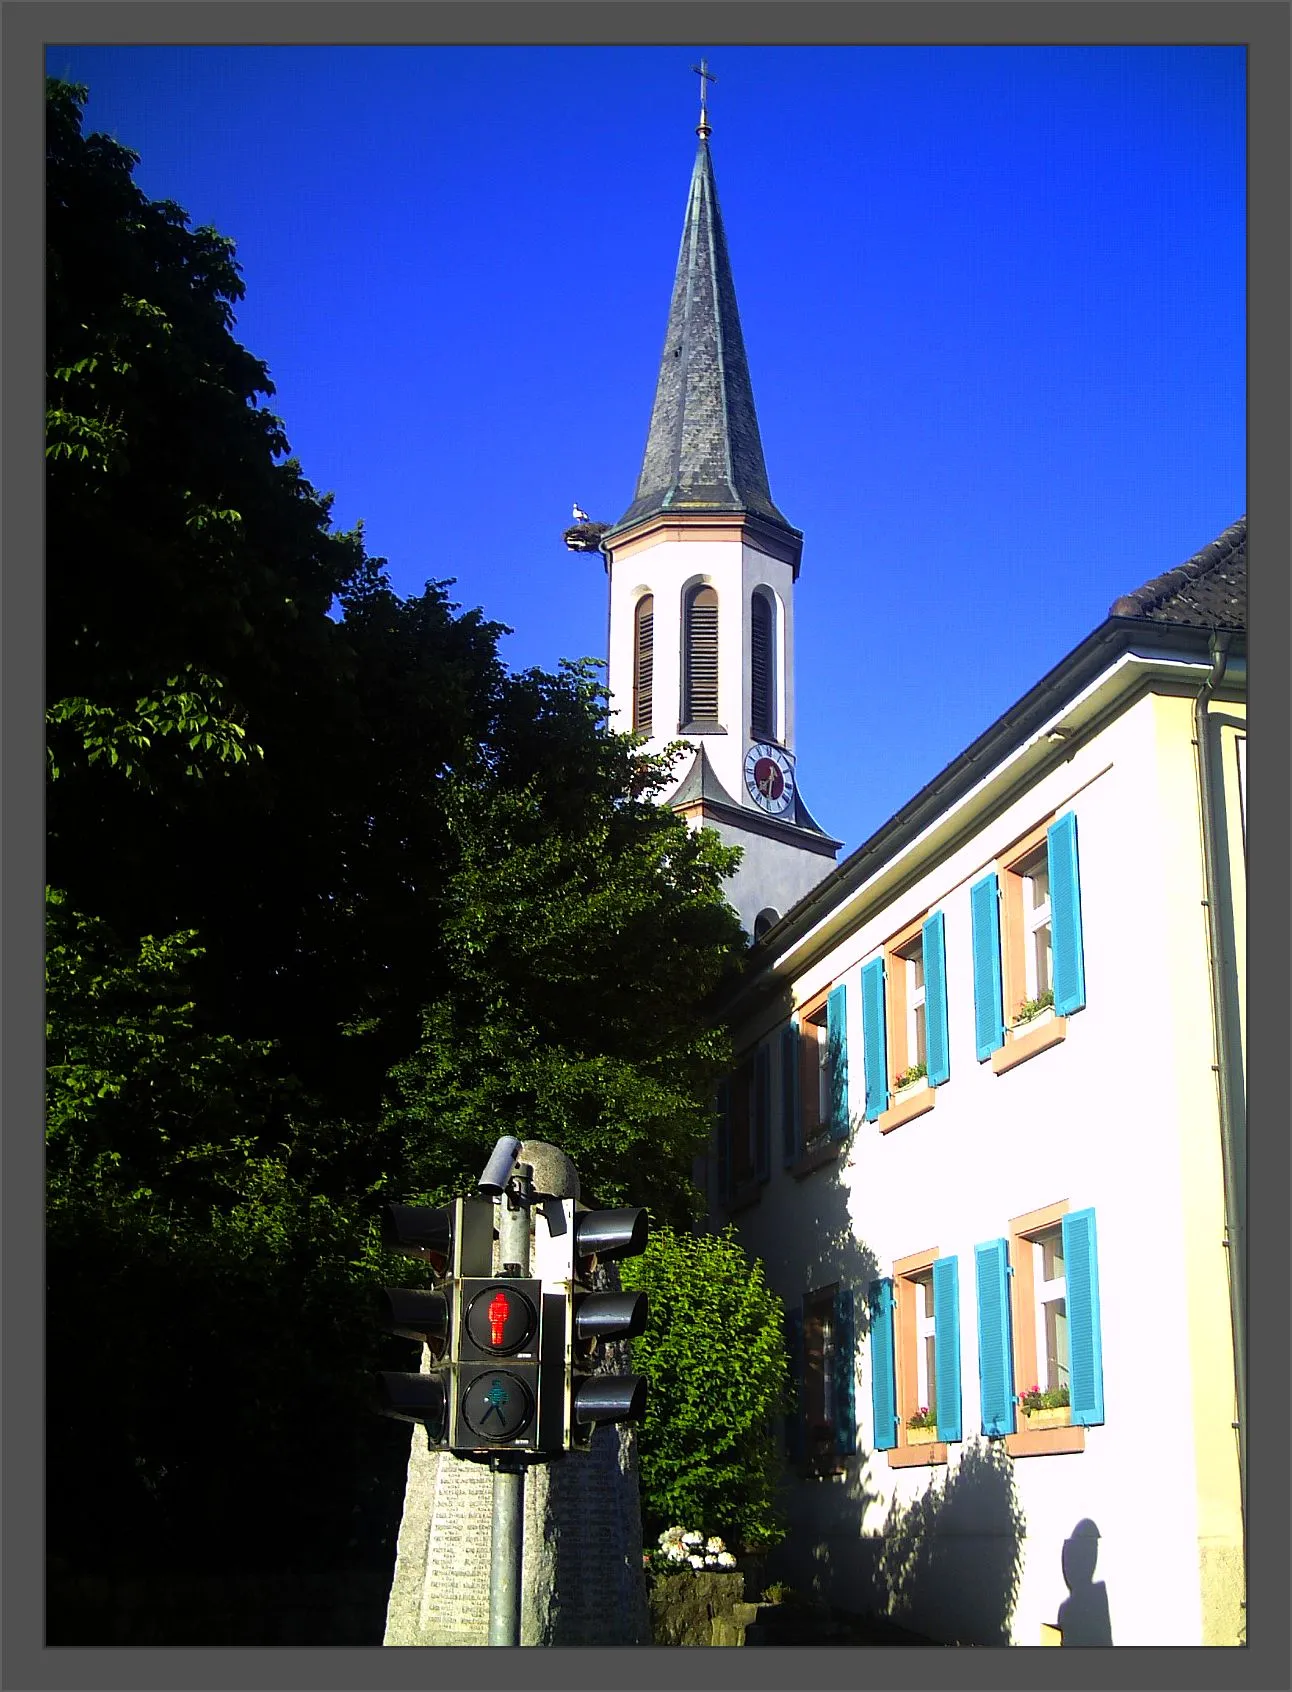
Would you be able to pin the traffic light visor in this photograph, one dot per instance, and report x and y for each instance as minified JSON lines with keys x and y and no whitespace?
{"x":417,"y":1314}
{"x":419,"y":1231}
{"x":610,"y":1316}
{"x":609,"y":1398}
{"x":607,"y":1234}
{"x":413,"y":1398}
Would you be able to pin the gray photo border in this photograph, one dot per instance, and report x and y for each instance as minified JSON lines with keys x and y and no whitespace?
{"x":27,"y":26}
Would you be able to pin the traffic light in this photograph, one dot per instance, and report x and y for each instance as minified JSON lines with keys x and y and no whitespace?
{"x":577,"y":1240}
{"x":496,"y":1350}
{"x":457,"y":1241}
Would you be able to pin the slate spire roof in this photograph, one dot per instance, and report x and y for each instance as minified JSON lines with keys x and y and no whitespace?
{"x":703,"y":449}
{"x":1208,"y":591}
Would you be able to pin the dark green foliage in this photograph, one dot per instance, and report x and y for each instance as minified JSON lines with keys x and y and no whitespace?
{"x":714,"y":1354}
{"x":304,"y":836}
{"x":584,"y":934}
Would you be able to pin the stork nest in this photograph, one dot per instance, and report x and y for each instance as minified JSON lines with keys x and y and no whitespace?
{"x":585,"y":537}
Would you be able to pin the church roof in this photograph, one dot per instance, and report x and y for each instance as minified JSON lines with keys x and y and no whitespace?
{"x":1208,"y":591}
{"x":703,"y":450}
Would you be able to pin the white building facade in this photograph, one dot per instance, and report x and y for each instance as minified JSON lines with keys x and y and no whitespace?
{"x":1053,"y":1198}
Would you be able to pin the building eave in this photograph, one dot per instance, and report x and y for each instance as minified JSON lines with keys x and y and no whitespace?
{"x":1096,"y":680}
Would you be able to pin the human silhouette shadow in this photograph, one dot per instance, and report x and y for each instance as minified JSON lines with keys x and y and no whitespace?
{"x":1083,"y":1614}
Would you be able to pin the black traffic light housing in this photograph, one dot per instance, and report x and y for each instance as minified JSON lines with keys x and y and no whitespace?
{"x":457,"y":1241}
{"x":577,"y":1240}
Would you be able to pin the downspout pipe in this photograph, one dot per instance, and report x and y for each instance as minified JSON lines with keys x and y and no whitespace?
{"x":1233,"y":1124}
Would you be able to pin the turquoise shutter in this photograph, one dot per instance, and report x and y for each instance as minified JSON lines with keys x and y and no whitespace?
{"x":723,"y":1158}
{"x":794,"y":1442}
{"x":1065,"y":915}
{"x":791,"y":1129}
{"x":845,"y":1359}
{"x":1085,"y":1350}
{"x":946,"y":1346}
{"x":837,"y":1034}
{"x":762,"y":1113}
{"x":984,"y":910}
{"x":937,"y":1038}
{"x":883,"y":1381}
{"x":995,"y":1350}
{"x":874,"y":1038}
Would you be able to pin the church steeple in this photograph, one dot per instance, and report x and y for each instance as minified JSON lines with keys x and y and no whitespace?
{"x":703,"y":449}
{"x":701,"y":569}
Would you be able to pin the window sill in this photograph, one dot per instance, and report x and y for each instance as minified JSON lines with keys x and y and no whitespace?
{"x":907,"y":1109}
{"x":1024,"y":1043}
{"x":917,"y":1456}
{"x":1044,"y":1442}
{"x":820,"y":1152}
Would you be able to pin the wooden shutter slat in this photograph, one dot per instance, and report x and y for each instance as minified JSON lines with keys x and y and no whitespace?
{"x":702,"y":657}
{"x":1085,"y":1347}
{"x":762,"y":715}
{"x":845,"y":1412}
{"x":874,"y":1038}
{"x":984,"y":910}
{"x":946,"y":1341}
{"x":937,"y":1037}
{"x":644,"y":666}
{"x":791,"y":1130}
{"x":995,"y":1351}
{"x":883,"y":1381}
{"x":837,"y":1035}
{"x":1065,"y":915}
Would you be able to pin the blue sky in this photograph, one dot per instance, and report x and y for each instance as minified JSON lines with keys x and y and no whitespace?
{"x":993,"y":300}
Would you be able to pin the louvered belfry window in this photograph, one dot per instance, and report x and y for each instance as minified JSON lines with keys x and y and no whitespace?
{"x":700,"y":704}
{"x":644,"y":665}
{"x":762,"y":706}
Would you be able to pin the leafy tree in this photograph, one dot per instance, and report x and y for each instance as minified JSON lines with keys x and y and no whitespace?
{"x":714,"y":1355}
{"x":585,"y":933}
{"x":304,"y":835}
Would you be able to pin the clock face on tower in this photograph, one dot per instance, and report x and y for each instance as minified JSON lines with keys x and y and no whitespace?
{"x":769,"y":776}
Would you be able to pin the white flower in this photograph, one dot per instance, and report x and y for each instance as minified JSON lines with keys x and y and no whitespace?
{"x":696,"y":1562}
{"x":674,"y":1553}
{"x":671,"y":1536}
{"x":693,"y":1539}
{"x":710,"y":1560}
{"x":714,"y":1544}
{"x":725,"y":1560}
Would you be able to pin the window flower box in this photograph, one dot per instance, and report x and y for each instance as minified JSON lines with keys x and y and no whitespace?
{"x":1058,"y":1417}
{"x":922,"y":1436}
{"x":1034,"y":1013}
{"x":919,"y":1085}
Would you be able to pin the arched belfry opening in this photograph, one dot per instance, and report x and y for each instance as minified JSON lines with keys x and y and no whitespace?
{"x":700,"y":655}
{"x":644,"y":665}
{"x":763,"y":724}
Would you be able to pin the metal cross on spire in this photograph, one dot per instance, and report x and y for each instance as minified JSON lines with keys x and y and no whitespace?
{"x":703,"y":129}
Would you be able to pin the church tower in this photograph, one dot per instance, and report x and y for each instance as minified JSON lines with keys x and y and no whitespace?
{"x":702,"y":568}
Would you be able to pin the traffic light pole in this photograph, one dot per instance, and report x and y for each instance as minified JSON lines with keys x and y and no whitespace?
{"x":509,"y":1469}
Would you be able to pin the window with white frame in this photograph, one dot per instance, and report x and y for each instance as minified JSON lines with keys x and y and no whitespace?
{"x":1038,"y":972}
{"x":912,"y":964}
{"x":926,"y":1367}
{"x":1050,"y":1291}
